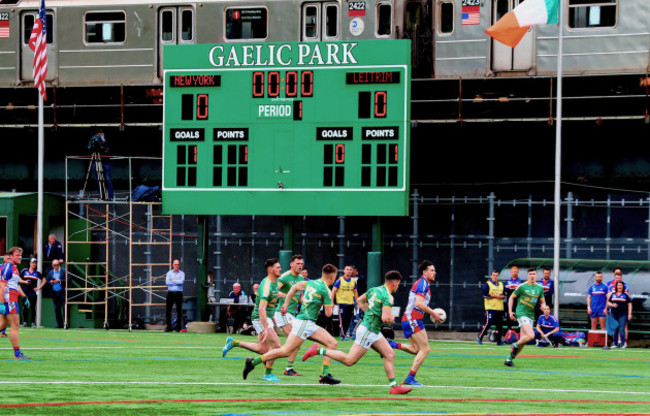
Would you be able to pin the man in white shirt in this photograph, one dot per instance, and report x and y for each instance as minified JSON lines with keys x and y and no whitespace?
{"x":174,"y":280}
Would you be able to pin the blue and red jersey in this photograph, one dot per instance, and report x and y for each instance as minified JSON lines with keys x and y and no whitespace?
{"x":598,"y":294}
{"x":548,"y":324}
{"x":9,"y":273}
{"x":621,"y":300}
{"x":420,"y":288}
{"x":612,"y":286}
{"x":548,"y":286}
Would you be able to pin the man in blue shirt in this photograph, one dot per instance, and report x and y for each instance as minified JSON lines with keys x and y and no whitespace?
{"x":597,"y":302}
{"x":53,"y":250}
{"x":547,"y":284}
{"x":509,"y":287}
{"x":58,"y":278}
{"x":548,"y":329}
{"x":174,"y":280}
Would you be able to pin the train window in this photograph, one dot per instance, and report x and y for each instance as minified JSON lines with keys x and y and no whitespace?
{"x":311,"y":22}
{"x":167,"y":25}
{"x":187,"y":24}
{"x":28,"y":25}
{"x":105,"y":27}
{"x":332,"y":20}
{"x":446,"y":13}
{"x":592,"y":13}
{"x":249,"y":23}
{"x":384,"y":19}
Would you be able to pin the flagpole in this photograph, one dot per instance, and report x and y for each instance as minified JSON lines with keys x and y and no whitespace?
{"x":558,"y":167}
{"x":39,"y":215}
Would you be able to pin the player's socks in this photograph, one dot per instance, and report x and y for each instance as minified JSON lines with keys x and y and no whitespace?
{"x":235,"y":343}
{"x":394,"y":345}
{"x":392,"y":382}
{"x":17,"y":352}
{"x":268,"y":369}
{"x":322,"y":351}
{"x":326,"y":370}
{"x":258,"y":360}
{"x":412,"y":374}
{"x":289,"y":365}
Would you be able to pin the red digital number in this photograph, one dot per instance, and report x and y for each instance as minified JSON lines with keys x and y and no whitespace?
{"x":246,"y":154}
{"x":307,"y":83}
{"x":380,"y":104}
{"x":202,"y":107}
{"x":339,"y":153}
{"x":395,"y":154}
{"x":258,"y":84}
{"x":274,"y":84}
{"x":292,"y":84}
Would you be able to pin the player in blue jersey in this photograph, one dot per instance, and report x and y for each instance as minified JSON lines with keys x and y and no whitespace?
{"x":597,"y":302}
{"x":9,"y":293}
{"x":413,"y":320}
{"x":548,"y":329}
{"x":509,"y":287}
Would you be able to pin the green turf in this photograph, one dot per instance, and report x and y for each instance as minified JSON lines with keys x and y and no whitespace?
{"x":140,"y":366}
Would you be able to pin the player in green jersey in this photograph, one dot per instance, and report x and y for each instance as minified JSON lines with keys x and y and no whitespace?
{"x":527,"y":293}
{"x":285,"y":282}
{"x":265,"y":303}
{"x":377,"y":303}
{"x":316,"y":295}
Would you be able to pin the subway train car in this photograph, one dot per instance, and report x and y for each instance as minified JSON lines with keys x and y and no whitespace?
{"x":119,"y":42}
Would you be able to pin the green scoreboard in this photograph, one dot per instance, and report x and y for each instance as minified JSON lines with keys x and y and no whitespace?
{"x":313,"y":128}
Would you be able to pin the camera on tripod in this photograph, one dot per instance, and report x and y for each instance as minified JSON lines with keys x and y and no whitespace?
{"x":98,"y":143}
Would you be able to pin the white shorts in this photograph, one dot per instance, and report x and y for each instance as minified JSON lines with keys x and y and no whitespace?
{"x":365,"y":338}
{"x":282,"y":320}
{"x":303,"y":328}
{"x":523,"y":321}
{"x":258,"y":327}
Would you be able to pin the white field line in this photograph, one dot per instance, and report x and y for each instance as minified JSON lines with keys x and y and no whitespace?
{"x":383,"y":386}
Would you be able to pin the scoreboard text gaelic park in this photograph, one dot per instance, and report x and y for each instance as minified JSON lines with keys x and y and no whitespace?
{"x":287,"y":128}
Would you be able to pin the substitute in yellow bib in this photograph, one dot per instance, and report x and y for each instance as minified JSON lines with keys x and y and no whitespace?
{"x":345,"y":295}
{"x":493,"y":298}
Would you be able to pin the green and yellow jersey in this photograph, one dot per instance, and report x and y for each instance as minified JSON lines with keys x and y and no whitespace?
{"x":378,"y":298}
{"x":527,"y":296}
{"x":316,"y":295}
{"x":288,"y":279}
{"x":268,"y":291}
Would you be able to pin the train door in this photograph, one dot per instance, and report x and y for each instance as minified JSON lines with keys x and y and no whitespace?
{"x":26,"y":53}
{"x":175,"y":27}
{"x":320,"y":21}
{"x":418,"y":27}
{"x":505,"y":58}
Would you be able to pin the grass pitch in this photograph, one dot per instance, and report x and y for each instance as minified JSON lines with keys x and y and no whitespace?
{"x":100,"y":372}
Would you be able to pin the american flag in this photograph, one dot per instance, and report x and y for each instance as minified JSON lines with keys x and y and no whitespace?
{"x":4,"y":25}
{"x":38,"y":43}
{"x":471,"y":15}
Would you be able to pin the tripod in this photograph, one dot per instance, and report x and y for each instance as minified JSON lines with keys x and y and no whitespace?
{"x":96,"y":163}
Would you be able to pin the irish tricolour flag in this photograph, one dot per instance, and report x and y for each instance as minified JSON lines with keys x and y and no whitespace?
{"x":513,"y":26}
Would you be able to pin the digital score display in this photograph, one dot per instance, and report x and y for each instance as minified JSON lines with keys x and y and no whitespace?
{"x":318,"y":128}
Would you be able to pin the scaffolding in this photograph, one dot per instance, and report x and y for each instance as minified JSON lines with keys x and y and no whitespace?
{"x":117,"y":255}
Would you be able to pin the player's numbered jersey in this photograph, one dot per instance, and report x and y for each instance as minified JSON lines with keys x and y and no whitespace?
{"x":420,"y":288}
{"x":9,"y":273}
{"x":288,"y":279}
{"x":378,"y":298}
{"x":316,"y":295}
{"x":268,"y":292}
{"x":527,"y":296}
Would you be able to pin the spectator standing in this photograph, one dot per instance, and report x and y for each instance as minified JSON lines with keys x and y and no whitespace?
{"x":58,"y":278}
{"x":174,"y":280}
{"x":597,"y":302}
{"x":34,"y":282}
{"x":253,"y":295}
{"x":304,"y":273}
{"x":493,"y":301}
{"x":509,"y":287}
{"x":620,"y":306}
{"x":618,"y":277}
{"x":548,"y":328}
{"x":345,"y":295}
{"x":53,"y":250}
{"x":235,"y":311}
{"x":547,"y":284}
